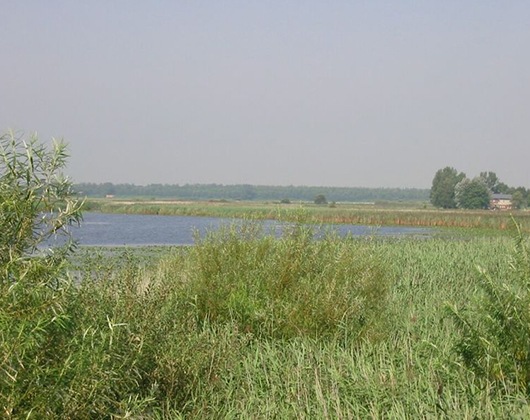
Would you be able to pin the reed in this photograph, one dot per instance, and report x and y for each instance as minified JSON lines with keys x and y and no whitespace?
{"x":247,"y":325}
{"x":496,"y":330}
{"x":287,"y":287}
{"x":378,"y":214}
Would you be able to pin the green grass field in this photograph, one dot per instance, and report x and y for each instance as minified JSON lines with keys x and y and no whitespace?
{"x":246,"y":326}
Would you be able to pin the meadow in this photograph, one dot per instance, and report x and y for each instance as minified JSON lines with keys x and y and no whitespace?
{"x":245,"y":325}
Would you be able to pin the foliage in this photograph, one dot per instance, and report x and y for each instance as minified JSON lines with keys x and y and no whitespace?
{"x":35,"y":198}
{"x":139,"y":345}
{"x":492,"y":182}
{"x":518,"y":200}
{"x":496,"y":331}
{"x":443,"y":187}
{"x":443,"y":195}
{"x":36,"y":203}
{"x":472,"y":194}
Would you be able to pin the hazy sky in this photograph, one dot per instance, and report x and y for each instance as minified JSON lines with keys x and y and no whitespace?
{"x":338,"y":93}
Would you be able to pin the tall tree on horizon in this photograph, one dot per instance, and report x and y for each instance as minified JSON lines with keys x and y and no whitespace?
{"x":492,"y":181}
{"x":443,"y":187}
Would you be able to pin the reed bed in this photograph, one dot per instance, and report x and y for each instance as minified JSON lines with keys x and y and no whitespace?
{"x":378,"y":214}
{"x":246,"y":325}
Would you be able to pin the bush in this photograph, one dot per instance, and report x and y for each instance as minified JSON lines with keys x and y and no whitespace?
{"x":74,"y":350}
{"x":36,"y":200}
{"x":35,"y":204}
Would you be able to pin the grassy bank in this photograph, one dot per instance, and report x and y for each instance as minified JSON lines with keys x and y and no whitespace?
{"x":246,"y":326}
{"x":380,"y":214}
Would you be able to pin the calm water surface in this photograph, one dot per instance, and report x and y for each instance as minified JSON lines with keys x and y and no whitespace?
{"x":138,"y":230}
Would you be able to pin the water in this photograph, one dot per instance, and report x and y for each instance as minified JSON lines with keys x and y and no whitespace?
{"x":140,"y":230}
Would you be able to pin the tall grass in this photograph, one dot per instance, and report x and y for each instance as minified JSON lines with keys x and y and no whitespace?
{"x":288,"y":287}
{"x":496,"y":330}
{"x":245,"y":325}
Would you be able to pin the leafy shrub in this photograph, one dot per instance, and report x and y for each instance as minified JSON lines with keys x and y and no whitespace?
{"x":64,"y":348}
{"x":35,"y":204}
{"x":496,"y":332}
{"x":35,"y":198}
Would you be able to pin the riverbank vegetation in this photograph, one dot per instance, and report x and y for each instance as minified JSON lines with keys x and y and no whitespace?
{"x":248,"y":325}
{"x":373,"y":214}
{"x":242,"y":325}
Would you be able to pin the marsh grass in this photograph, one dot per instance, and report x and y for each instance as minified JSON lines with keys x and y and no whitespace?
{"x":373,"y":214}
{"x":496,"y":329}
{"x":288,"y":287}
{"x":247,"y":325}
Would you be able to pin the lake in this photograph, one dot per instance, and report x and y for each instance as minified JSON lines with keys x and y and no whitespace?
{"x":140,"y":230}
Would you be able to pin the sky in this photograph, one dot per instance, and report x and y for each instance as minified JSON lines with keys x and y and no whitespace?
{"x":321,"y":93}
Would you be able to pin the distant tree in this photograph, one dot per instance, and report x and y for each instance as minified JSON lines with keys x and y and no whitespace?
{"x":248,"y":192}
{"x":443,"y":187}
{"x":518,"y":200}
{"x":491,"y":180}
{"x":285,"y":201}
{"x":472,"y":194}
{"x":109,"y":189}
{"x":522,"y":190}
{"x":502,"y":188}
{"x":251,"y":192}
{"x":320,"y":199}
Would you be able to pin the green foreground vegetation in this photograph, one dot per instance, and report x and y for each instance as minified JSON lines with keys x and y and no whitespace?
{"x":246,"y":325}
{"x":256,"y":327}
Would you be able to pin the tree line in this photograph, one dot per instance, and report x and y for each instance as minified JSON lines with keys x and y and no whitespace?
{"x":453,"y":189}
{"x":252,"y":192}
